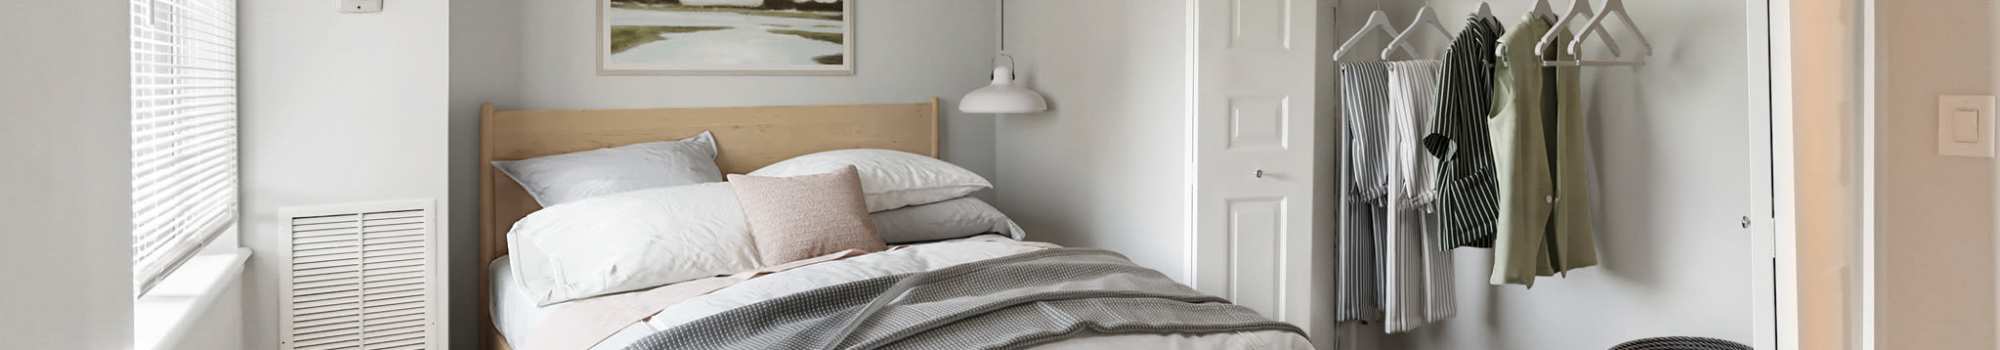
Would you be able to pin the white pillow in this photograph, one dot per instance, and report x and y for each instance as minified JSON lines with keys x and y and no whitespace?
{"x":569,"y":177}
{"x":630,"y":241}
{"x":952,"y":219}
{"x":890,"y":179}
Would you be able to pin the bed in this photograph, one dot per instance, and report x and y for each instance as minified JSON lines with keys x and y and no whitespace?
{"x":747,"y":138}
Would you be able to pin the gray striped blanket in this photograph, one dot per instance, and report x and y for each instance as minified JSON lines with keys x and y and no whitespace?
{"x":1004,"y":303}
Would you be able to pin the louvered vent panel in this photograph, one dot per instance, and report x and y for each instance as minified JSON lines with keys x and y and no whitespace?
{"x":363,"y":277}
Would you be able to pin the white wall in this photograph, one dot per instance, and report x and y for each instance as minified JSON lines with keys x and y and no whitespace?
{"x":1105,"y":167}
{"x":65,"y":129}
{"x":220,"y":327}
{"x":1935,"y":245}
{"x":1670,"y":157}
{"x":336,"y":108}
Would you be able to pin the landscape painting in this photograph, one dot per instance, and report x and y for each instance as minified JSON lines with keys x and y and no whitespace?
{"x":726,"y":37}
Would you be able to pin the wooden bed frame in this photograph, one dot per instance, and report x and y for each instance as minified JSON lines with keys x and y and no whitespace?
{"x":747,"y":138}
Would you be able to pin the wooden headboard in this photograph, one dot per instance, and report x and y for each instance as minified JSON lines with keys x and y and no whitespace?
{"x":748,"y":138}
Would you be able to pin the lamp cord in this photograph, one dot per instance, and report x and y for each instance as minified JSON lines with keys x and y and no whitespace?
{"x":1001,"y":45}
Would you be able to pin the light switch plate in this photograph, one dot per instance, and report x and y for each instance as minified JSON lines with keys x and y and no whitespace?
{"x":360,"y":6}
{"x":1965,"y":126}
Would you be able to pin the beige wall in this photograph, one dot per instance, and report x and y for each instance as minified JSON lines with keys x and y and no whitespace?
{"x":1826,"y":128}
{"x":1934,"y":279}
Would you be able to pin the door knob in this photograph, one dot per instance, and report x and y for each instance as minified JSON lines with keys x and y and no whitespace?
{"x":1258,"y":174}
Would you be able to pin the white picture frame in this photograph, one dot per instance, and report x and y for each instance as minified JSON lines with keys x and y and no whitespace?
{"x":717,"y":38}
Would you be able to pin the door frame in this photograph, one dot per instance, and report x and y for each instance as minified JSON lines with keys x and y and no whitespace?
{"x":1766,"y":32}
{"x":1866,"y":248}
{"x":1775,"y":312}
{"x":1767,"y":25}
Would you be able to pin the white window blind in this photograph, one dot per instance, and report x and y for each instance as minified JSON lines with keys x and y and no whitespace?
{"x":184,"y":172}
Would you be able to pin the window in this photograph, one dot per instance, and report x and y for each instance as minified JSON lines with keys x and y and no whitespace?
{"x":183,"y":131}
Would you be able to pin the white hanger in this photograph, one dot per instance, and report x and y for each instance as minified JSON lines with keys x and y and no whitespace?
{"x":1378,"y":22}
{"x":1485,"y":10}
{"x":1425,"y":18}
{"x":1576,"y":8}
{"x":1542,"y":8}
{"x":1596,"y":26}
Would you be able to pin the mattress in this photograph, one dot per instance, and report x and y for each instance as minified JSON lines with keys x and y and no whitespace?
{"x":516,"y":315}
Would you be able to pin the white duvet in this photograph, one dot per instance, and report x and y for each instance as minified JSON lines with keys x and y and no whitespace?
{"x":516,"y":314}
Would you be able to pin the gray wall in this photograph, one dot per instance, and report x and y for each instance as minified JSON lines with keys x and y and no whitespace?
{"x":485,"y":67}
{"x":1106,"y":166}
{"x":1935,"y":245}
{"x":539,"y":54}
{"x":336,"y":108}
{"x":1670,"y":156}
{"x":65,"y":131}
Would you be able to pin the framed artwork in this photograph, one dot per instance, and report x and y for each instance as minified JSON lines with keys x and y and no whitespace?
{"x":725,"y":37}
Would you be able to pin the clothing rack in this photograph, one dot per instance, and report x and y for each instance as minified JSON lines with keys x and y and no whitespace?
{"x":1434,"y":140}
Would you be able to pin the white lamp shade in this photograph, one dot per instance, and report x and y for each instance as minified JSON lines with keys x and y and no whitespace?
{"x":1003,"y":96}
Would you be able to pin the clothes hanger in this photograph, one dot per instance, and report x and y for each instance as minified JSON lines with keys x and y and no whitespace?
{"x":1378,"y":22}
{"x":1485,"y":10}
{"x":1596,"y":26}
{"x":1540,"y":10}
{"x":1576,"y":8}
{"x":1426,"y":18}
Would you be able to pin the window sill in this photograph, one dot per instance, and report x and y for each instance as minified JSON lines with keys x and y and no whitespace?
{"x":167,"y":312}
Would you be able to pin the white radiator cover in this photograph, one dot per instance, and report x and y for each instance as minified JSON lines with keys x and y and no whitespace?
{"x":363,"y":276}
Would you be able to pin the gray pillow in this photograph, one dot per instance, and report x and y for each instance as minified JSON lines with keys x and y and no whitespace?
{"x":957,"y":218}
{"x":570,"y":177}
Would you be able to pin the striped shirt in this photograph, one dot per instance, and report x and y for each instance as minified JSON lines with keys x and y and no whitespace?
{"x":1466,"y":199}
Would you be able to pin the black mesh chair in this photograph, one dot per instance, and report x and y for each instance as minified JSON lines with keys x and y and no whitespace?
{"x":1681,"y":343}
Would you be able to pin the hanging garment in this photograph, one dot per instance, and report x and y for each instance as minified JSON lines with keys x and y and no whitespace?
{"x":1575,"y":244}
{"x":1466,"y":197}
{"x":1366,"y":88}
{"x":1418,"y":276}
{"x":1522,"y":176}
{"x":1364,"y":98}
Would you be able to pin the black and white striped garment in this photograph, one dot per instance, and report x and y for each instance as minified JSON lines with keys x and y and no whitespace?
{"x":1364,"y":101}
{"x":1419,"y":288}
{"x":1364,"y":96}
{"x":1467,"y":203}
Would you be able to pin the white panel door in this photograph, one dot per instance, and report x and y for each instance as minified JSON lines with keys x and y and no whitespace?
{"x":1253,"y":153}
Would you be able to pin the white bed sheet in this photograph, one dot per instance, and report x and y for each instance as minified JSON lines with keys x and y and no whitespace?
{"x":516,"y":314}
